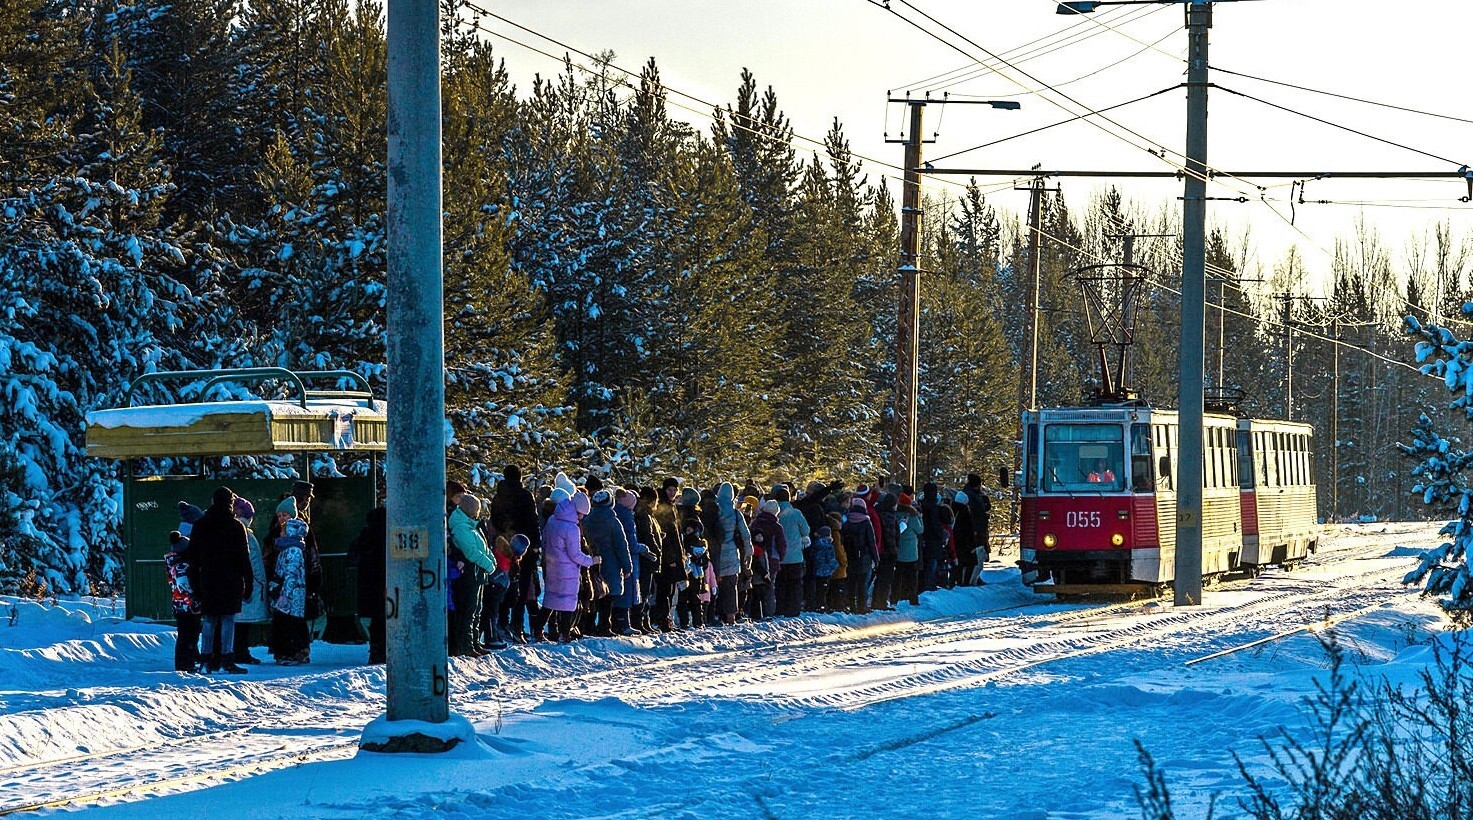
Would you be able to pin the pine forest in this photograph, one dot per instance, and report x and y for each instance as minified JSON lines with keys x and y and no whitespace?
{"x":192,"y":184}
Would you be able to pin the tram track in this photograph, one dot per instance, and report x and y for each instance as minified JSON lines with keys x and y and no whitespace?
{"x":1021,"y":646}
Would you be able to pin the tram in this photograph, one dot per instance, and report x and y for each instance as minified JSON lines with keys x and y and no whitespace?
{"x":1098,"y":497}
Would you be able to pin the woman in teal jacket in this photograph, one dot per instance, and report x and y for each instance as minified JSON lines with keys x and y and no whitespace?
{"x":476,"y":565}
{"x":908,"y":561}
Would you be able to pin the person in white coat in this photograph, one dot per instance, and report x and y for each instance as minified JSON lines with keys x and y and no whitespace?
{"x":254,"y":618}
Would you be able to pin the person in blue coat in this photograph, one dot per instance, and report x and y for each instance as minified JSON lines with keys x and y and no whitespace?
{"x":604,"y":533}
{"x":633,"y":600}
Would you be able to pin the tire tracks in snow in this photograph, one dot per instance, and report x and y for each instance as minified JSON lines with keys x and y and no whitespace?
{"x":1018,"y":646}
{"x":1023,"y":640}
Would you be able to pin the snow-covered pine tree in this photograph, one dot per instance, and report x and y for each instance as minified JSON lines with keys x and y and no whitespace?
{"x":1441,"y":474}
{"x":571,"y":238}
{"x":1065,"y":364}
{"x":830,"y":405}
{"x":311,"y":281}
{"x":87,"y":276}
{"x":721,"y":370}
{"x":186,"y":63}
{"x":503,"y":387}
{"x":969,"y":383}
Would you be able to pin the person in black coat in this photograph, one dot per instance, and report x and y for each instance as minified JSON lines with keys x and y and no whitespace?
{"x":933,"y":538}
{"x":881,"y":598}
{"x":812,"y":507}
{"x":981,"y":507}
{"x":858,"y":533}
{"x":369,"y":553}
{"x":221,"y":577}
{"x":515,"y":512}
{"x":963,"y":538}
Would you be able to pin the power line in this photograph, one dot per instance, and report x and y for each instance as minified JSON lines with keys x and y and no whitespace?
{"x":1095,"y":73}
{"x":1091,"y":114}
{"x":1259,"y":319}
{"x":1341,"y":127}
{"x":986,"y":69}
{"x":1104,"y":25}
{"x":1343,"y":96}
{"x":1040,"y":47}
{"x":704,"y":114}
{"x":1053,"y":125}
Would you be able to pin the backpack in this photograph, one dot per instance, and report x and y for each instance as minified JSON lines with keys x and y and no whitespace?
{"x":890,"y":531}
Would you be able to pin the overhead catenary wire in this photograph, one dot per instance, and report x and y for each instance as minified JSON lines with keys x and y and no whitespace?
{"x":1347,"y":128}
{"x":1103,"y":24}
{"x":1322,"y":249}
{"x":983,"y":68}
{"x":762,"y":133}
{"x":1259,"y":319}
{"x":1092,"y":117}
{"x":1343,"y":96}
{"x":1031,"y":50}
{"x":706,"y":114}
{"x":1094,"y":73}
{"x":1053,"y":125}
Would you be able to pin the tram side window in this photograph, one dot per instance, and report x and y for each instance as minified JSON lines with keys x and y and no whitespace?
{"x":1030,"y":470}
{"x":1140,"y":458}
{"x":1245,"y":461}
{"x":1163,"y":456}
{"x":1219,"y":460}
{"x":1173,"y":445}
{"x":1214,"y":458}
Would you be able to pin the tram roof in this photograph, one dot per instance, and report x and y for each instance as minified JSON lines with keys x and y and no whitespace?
{"x":1116,"y":413}
{"x":245,"y":427}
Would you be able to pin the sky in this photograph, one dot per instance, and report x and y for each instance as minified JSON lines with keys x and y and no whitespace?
{"x":840,"y":58}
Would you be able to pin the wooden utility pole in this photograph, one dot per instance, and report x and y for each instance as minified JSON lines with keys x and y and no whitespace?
{"x":908,"y":325}
{"x":908,"y":329}
{"x":1035,"y":276}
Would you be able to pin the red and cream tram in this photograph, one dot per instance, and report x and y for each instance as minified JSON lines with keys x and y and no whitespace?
{"x":1098,"y":512}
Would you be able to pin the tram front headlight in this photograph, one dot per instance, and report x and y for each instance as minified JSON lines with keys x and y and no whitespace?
{"x":1049,"y":541}
{"x":1117,"y":539}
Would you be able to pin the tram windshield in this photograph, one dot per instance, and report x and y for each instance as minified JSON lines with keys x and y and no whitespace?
{"x":1083,"y":458}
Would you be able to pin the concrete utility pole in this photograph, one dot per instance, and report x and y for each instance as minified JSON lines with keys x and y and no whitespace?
{"x":1035,"y":276}
{"x":1335,"y":421}
{"x":1288,"y":298}
{"x":418,"y":717}
{"x":908,"y":341}
{"x":1188,"y":568}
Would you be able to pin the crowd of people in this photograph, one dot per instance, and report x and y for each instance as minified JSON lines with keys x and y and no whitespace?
{"x":225,"y":584}
{"x":594,"y":559}
{"x":578,"y":560}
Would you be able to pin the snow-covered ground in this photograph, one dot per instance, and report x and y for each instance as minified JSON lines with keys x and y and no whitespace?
{"x":982,"y":702}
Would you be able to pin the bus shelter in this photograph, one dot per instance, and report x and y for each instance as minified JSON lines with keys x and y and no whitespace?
{"x":305,"y":417}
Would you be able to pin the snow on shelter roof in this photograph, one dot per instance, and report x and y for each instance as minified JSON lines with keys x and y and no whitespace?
{"x":247,"y":427}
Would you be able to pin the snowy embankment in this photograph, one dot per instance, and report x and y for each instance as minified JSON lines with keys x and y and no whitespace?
{"x":980,"y":702}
